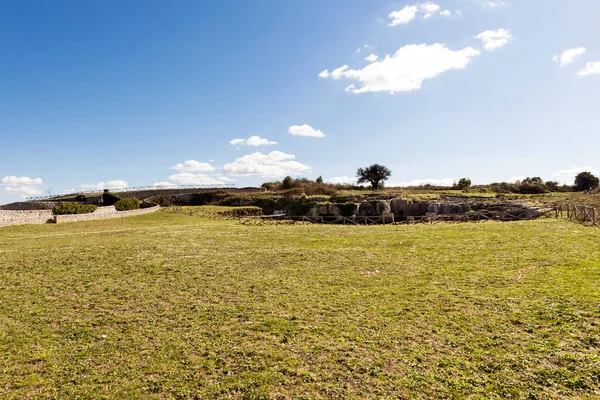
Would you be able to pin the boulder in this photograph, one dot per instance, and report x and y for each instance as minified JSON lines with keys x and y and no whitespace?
{"x":398,"y":206}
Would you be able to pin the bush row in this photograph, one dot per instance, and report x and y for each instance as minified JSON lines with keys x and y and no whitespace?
{"x":128,"y":204}
{"x":73,"y":208}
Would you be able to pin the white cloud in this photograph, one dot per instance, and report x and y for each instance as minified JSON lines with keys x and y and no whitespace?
{"x":338,"y":73}
{"x":305,"y":130}
{"x":421,"y":182}
{"x":342,"y":180}
{"x":446,"y":13}
{"x":494,"y":39}
{"x":429,"y":9}
{"x":409,"y":13}
{"x":568,"y":56}
{"x":403,"y":16}
{"x":274,"y":164}
{"x":23,"y":180}
{"x":225,"y":179}
{"x":187,"y":178}
{"x":193,"y":166}
{"x":116,"y":184}
{"x":164,"y":185}
{"x":568,"y":175}
{"x":406,"y":70}
{"x":24,"y":185}
{"x":590,"y":68}
{"x":371,"y":58}
{"x":490,"y":3}
{"x":252,"y":141}
{"x":324,"y":74}
{"x":24,"y":190}
{"x":574,"y":171}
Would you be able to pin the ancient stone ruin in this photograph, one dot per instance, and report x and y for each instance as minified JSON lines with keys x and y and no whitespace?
{"x":402,"y":210}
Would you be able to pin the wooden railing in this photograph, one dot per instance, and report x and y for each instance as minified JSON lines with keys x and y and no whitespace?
{"x":585,"y":215}
{"x":292,"y":219}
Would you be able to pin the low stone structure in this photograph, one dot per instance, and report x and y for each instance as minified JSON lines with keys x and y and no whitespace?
{"x":398,"y":210}
{"x":27,"y":217}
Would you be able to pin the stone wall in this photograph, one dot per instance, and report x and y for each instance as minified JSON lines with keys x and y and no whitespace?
{"x":24,"y":217}
{"x":30,"y":205}
{"x":27,"y":217}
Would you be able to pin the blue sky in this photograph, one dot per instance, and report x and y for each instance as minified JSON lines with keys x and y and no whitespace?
{"x":115,"y":93}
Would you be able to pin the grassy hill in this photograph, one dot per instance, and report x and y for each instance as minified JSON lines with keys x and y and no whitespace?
{"x":169,"y":305}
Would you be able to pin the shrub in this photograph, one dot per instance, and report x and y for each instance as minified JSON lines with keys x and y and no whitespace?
{"x":73,"y":208}
{"x":81,"y":198}
{"x":128,"y":204}
{"x":463,"y":183}
{"x":586,"y":181}
{"x":287,"y":182}
{"x":109,"y":199}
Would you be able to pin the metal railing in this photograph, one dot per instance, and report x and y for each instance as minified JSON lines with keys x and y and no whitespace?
{"x":130,"y":189}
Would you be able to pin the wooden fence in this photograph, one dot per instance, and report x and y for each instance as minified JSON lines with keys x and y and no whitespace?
{"x":585,"y":215}
{"x":293,"y":219}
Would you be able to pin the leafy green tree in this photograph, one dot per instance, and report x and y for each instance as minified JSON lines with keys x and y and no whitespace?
{"x":319,"y":179}
{"x":375,"y":175}
{"x":536,"y":180}
{"x":586,"y":181}
{"x":552,"y":186}
{"x":463,"y":183}
{"x":287,"y":182}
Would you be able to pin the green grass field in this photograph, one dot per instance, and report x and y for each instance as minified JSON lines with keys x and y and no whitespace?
{"x":174,"y":306}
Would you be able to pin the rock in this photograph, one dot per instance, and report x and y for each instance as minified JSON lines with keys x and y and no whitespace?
{"x":398,"y":206}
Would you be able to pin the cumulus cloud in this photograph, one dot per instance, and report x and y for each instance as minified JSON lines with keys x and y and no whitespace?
{"x":188,"y":178}
{"x":421,"y":182}
{"x":305,"y":130}
{"x":429,"y":9}
{"x":371,"y":58}
{"x":23,"y":180}
{"x":342,"y":180}
{"x":446,"y":13}
{"x":116,"y":184}
{"x":274,"y":164}
{"x":403,"y":16}
{"x":568,"y":56}
{"x":409,"y":13}
{"x":591,"y":68}
{"x":193,"y":166}
{"x":24,"y":190}
{"x":24,"y":185}
{"x":406,"y":70}
{"x":494,"y":39}
{"x":252,"y":141}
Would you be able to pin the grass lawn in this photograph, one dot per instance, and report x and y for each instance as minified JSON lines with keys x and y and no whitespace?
{"x":168,"y":305}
